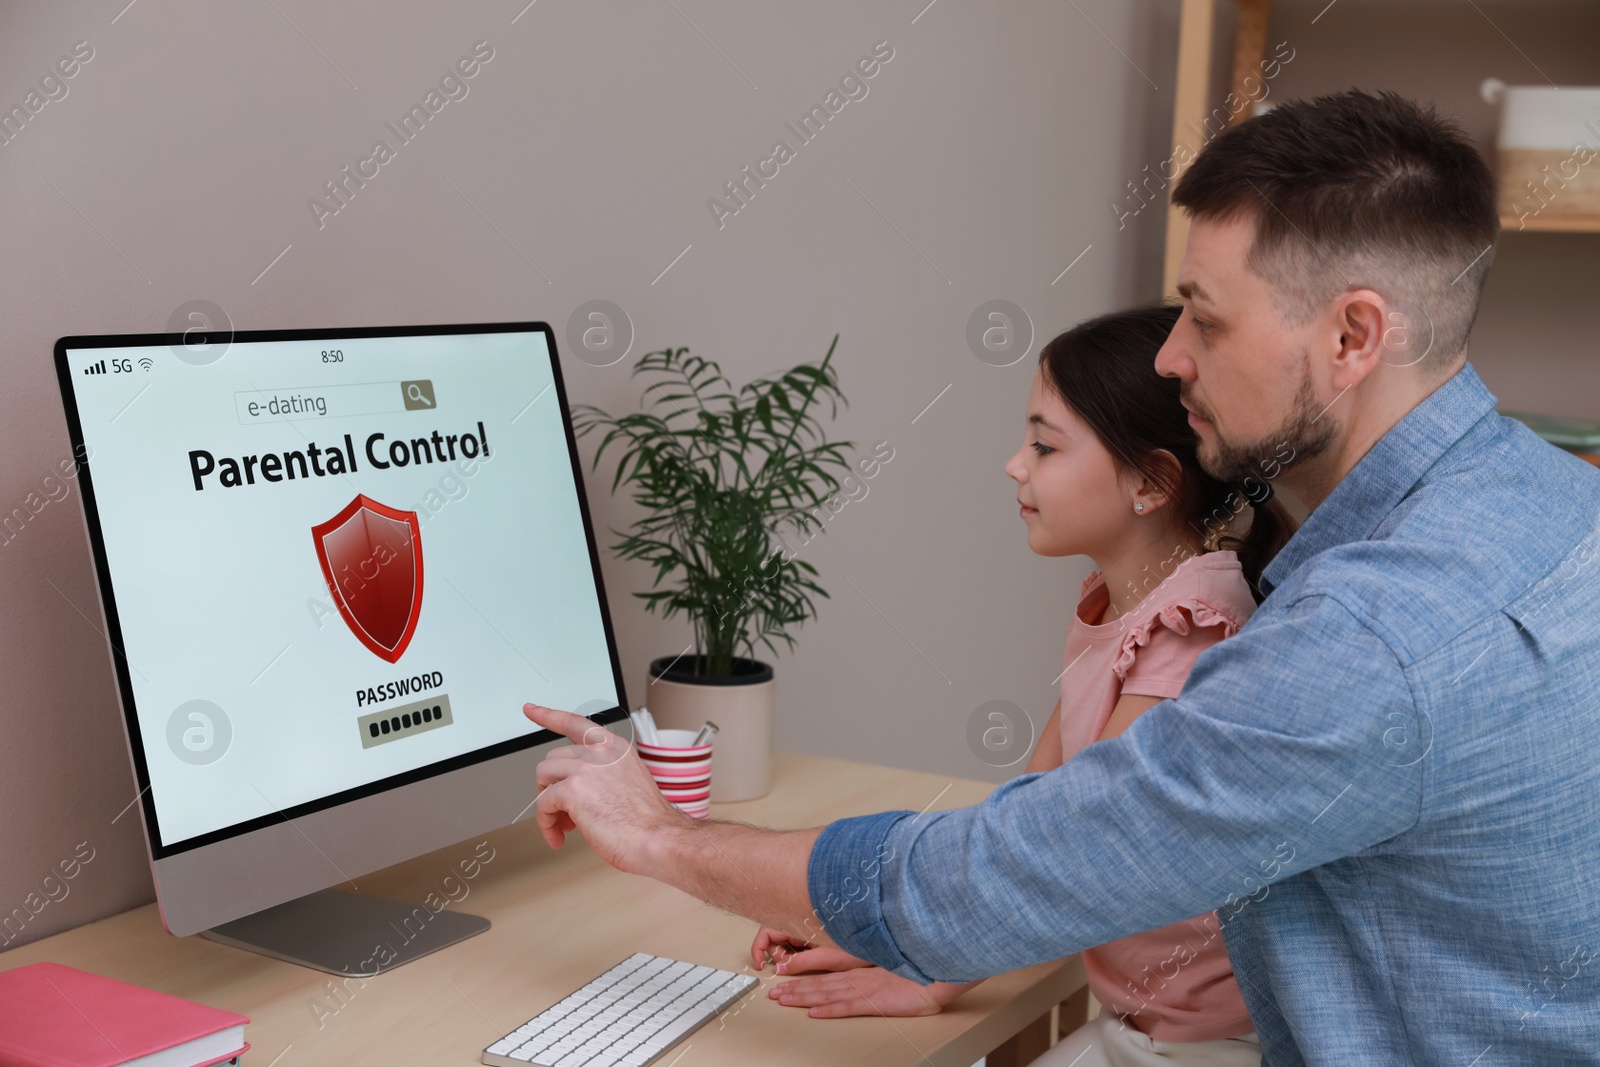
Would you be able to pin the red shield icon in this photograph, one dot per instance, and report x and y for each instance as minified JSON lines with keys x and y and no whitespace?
{"x":371,"y":556}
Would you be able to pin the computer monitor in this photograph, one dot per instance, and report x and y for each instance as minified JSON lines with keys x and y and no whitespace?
{"x":333,"y":565}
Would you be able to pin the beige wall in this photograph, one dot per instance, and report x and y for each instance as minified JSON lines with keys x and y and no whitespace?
{"x":189,"y":145}
{"x":990,"y":148}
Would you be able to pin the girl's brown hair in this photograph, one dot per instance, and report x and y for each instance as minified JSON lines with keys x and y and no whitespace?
{"x":1104,"y":369}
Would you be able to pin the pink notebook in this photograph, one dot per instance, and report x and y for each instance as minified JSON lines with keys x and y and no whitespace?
{"x":52,"y":1015}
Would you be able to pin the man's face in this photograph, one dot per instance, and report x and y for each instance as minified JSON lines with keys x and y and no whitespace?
{"x":1249,"y":379}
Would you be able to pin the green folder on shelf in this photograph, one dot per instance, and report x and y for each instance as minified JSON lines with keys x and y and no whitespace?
{"x":1575,"y":435}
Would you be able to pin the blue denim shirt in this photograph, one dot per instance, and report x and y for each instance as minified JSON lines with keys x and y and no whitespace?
{"x":1387,"y":783}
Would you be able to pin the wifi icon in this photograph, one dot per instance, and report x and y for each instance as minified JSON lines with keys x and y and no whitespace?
{"x":146,"y":362}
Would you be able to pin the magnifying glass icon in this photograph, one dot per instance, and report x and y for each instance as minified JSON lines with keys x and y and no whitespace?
{"x":419,"y":394}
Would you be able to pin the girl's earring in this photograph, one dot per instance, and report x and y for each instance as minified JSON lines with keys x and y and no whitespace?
{"x":1139,"y":506}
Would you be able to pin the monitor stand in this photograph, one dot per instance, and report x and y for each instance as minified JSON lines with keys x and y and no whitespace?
{"x":347,"y":933}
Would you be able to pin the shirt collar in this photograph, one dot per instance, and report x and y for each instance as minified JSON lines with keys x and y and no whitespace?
{"x":1390,"y":469}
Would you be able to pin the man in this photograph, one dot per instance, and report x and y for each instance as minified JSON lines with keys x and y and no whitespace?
{"x":1388,"y":782}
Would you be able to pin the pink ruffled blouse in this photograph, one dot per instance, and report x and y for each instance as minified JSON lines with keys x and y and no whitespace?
{"x":1175,"y":983}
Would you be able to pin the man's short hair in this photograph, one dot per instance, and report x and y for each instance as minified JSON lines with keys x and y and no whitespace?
{"x":1355,"y":190}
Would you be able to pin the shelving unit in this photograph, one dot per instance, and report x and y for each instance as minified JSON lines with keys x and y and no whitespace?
{"x":1551,"y":224}
{"x":1193,"y":102}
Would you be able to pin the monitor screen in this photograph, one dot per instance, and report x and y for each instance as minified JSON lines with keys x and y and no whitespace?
{"x":333,"y":562}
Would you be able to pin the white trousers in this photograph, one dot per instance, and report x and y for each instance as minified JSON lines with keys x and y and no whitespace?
{"x":1105,"y":1042}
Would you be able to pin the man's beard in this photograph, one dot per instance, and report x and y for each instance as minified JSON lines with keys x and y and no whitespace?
{"x":1303,"y":434}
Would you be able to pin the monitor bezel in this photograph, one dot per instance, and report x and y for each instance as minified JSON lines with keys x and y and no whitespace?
{"x":160,"y":849}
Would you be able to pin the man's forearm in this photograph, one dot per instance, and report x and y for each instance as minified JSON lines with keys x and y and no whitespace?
{"x":743,"y":869}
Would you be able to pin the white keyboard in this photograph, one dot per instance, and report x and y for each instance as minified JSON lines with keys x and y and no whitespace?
{"x":625,"y":1018}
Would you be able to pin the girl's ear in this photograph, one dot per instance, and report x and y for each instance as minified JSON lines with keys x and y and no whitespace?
{"x":1153,"y":492}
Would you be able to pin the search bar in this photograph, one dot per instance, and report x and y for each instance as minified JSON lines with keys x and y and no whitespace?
{"x":314,"y":402}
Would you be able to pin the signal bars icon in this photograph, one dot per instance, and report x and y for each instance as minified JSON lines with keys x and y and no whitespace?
{"x":122,"y":365}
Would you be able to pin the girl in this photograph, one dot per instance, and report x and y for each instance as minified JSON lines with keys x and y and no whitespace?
{"x":1108,"y":469}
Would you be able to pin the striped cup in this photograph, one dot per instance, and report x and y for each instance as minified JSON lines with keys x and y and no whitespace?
{"x":681,"y":770}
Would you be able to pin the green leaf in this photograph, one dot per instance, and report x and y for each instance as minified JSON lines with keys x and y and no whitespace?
{"x":715,"y":470}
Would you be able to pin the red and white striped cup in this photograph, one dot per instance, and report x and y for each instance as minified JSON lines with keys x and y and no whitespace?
{"x":681,"y":770}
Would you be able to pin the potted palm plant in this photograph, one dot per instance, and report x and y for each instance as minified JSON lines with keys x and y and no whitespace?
{"x":717,"y":471}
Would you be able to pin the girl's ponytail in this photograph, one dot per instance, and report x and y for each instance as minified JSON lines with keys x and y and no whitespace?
{"x":1271,"y":526}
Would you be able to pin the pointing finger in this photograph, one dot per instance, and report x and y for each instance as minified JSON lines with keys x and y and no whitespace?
{"x":562,"y":722}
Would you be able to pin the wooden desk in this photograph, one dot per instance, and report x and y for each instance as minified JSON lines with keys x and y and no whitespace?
{"x":561,"y":918}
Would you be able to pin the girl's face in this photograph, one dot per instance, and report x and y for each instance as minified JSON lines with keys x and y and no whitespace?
{"x":1072,"y":496}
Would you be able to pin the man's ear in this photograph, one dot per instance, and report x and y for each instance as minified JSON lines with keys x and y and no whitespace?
{"x":1368,"y":326}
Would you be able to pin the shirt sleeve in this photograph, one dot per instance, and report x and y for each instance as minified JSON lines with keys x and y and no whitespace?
{"x":1292,"y":744}
{"x":1161,"y":667}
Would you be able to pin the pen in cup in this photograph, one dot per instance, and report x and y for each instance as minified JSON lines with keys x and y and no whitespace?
{"x":644,"y":726}
{"x":705,"y":734}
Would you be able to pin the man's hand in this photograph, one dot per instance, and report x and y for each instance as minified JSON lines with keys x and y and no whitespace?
{"x":790,"y":955}
{"x":599,"y":787}
{"x":864,"y":991}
